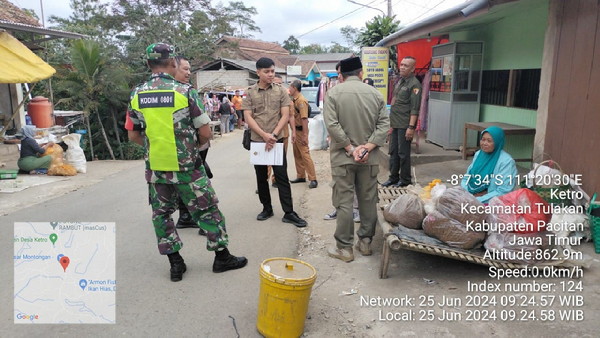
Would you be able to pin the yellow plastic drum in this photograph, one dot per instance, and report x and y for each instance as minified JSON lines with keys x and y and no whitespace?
{"x":285,"y":286}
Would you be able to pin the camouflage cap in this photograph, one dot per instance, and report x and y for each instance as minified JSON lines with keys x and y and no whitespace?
{"x":160,"y":51}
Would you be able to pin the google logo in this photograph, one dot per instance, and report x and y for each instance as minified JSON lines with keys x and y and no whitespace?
{"x":27,"y":317}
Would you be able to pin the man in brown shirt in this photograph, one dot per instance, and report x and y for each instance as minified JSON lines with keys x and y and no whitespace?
{"x":266,"y":110}
{"x":285,"y":132}
{"x":304,"y":163}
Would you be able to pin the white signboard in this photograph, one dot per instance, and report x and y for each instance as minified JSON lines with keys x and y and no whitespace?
{"x":294,"y":70}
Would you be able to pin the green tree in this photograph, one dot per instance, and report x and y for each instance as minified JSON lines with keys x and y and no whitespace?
{"x":121,"y":31}
{"x":292,"y":45}
{"x":192,"y":26}
{"x":313,"y":48}
{"x":124,"y":28}
{"x":91,"y":18}
{"x":375,"y":30}
{"x":337,"y":48}
{"x":92,"y":85}
{"x":242,"y":16}
{"x":349,"y":33}
{"x":142,"y":22}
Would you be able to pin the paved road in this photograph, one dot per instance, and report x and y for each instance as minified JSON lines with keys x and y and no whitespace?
{"x":148,"y":304}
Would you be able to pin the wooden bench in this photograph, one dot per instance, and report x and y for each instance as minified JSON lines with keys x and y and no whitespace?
{"x":509,"y":129}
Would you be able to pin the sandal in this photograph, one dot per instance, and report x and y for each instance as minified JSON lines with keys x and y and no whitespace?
{"x":39,"y":172}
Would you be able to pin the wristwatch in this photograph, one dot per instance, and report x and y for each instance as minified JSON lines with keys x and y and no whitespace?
{"x":274,"y":135}
{"x":411,"y":127}
{"x":351,"y":152}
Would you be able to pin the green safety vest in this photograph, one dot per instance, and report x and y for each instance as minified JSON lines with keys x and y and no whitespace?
{"x":157,"y":107}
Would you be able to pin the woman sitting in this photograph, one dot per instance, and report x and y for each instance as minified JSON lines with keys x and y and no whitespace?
{"x":30,"y":160}
{"x":493,"y":171}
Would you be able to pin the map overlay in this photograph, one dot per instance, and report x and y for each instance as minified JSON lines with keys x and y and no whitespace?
{"x":64,"y":273}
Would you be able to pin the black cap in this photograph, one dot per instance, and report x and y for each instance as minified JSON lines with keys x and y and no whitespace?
{"x":350,"y":64}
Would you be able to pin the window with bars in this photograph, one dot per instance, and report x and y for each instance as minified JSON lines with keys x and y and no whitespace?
{"x":511,"y":88}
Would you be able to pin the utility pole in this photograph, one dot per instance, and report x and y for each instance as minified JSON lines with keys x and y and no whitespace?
{"x":42,"y":9}
{"x":389,"y":8}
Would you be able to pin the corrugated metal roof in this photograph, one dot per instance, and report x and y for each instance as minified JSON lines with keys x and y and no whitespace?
{"x":436,"y":24}
{"x":254,"y":44}
{"x":328,"y":66}
{"x":281,"y":61}
{"x":39,"y":30}
{"x":245,"y":64}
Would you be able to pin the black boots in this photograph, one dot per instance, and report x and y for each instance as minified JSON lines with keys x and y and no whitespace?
{"x":185,"y":220}
{"x":225,"y":261}
{"x":177,"y":266}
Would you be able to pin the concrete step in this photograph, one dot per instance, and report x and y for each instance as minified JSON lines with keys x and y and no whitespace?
{"x":9,"y":154}
{"x":9,"y":150}
{"x":424,"y":152}
{"x":431,"y":158}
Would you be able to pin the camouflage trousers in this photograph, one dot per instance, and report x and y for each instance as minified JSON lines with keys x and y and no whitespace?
{"x":201,"y":202}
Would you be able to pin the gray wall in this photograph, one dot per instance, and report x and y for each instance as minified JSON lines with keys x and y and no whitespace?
{"x":10,"y":96}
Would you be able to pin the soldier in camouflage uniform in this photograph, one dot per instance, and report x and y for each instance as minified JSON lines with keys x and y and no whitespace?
{"x":167,"y":118}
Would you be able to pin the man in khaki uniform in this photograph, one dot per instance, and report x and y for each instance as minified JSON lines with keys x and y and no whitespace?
{"x":266,"y":110}
{"x":356,"y":119}
{"x":304,"y":163}
{"x":285,"y":133}
{"x":403,"y":120}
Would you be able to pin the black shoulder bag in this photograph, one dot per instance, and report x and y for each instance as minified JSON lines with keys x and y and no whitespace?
{"x":246,"y":139}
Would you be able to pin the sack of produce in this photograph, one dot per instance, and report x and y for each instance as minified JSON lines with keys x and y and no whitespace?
{"x":524,"y":209}
{"x":519,"y":248}
{"x":456,"y":203}
{"x":451,"y":231}
{"x":75,"y":155}
{"x":407,"y":210}
{"x":57,"y":166}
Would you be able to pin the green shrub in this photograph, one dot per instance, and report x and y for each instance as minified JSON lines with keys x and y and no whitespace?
{"x":133,"y":151}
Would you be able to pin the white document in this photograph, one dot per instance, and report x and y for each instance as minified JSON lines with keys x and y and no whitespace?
{"x":259,"y":156}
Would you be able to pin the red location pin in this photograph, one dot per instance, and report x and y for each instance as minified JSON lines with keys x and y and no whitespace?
{"x":64,"y":261}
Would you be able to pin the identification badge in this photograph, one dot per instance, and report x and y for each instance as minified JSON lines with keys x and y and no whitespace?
{"x":153,"y":100}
